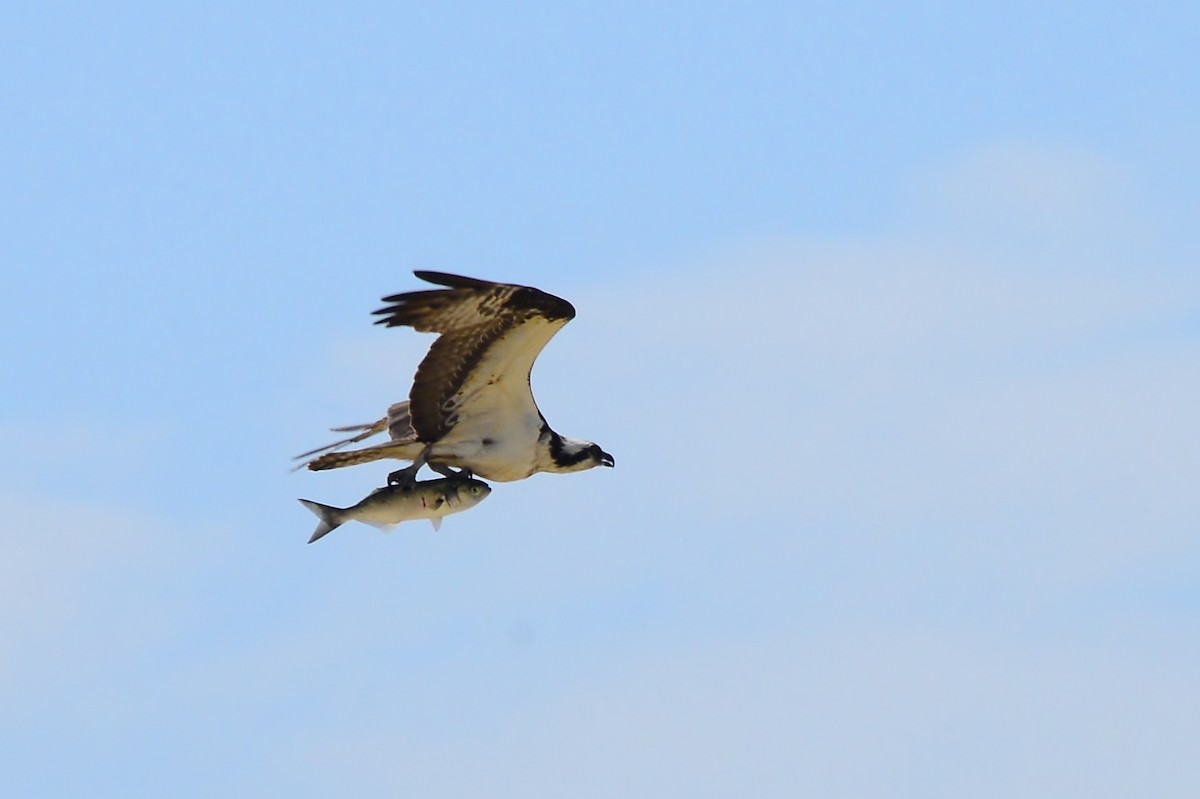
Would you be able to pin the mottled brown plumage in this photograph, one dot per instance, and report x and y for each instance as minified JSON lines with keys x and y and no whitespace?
{"x":471,"y":405}
{"x":472,"y":315}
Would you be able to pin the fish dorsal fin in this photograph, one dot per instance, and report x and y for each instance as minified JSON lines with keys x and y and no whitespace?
{"x":436,"y":521}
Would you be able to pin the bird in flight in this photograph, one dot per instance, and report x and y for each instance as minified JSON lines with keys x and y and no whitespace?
{"x":471,"y":406}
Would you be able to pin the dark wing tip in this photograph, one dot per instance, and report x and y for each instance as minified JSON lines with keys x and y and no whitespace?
{"x":418,"y":308}
{"x":542,"y":303}
{"x":453,"y":281}
{"x":524,"y":297}
{"x":410,"y":307}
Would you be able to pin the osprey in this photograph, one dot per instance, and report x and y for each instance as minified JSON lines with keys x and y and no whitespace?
{"x":471,"y":405}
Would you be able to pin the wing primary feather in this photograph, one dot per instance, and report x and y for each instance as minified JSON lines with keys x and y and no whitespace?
{"x":415,"y":308}
{"x":453,"y":281}
{"x":409,"y":296}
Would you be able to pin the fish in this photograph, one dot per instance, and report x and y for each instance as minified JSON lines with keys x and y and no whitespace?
{"x":390,"y":505}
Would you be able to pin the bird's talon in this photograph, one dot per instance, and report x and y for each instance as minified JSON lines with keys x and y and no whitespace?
{"x":400,"y":477}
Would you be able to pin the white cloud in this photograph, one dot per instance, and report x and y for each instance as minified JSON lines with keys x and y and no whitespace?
{"x":868,"y":712}
{"x":1044,"y":207}
{"x":1035,"y":182}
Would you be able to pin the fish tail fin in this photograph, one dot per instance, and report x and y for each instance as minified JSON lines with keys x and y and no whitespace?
{"x":331,"y":518}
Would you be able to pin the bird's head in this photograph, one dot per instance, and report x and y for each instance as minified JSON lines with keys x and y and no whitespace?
{"x":574,"y":455}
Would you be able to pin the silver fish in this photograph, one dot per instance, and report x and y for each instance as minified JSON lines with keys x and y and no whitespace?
{"x":390,"y":505}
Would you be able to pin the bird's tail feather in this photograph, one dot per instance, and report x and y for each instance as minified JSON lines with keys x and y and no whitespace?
{"x":397,"y":423}
{"x":363,"y":431}
{"x":374,"y":427}
{"x":330,"y":518}
{"x":388,"y":449}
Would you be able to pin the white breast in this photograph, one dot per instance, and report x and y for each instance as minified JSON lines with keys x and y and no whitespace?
{"x":498,"y":441}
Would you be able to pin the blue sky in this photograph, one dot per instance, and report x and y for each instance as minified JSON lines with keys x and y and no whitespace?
{"x":890,"y":317}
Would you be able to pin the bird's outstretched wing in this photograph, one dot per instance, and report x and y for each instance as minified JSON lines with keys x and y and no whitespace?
{"x":490,"y":335}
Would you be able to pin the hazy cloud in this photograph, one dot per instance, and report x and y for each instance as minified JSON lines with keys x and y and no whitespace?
{"x":891,"y":516}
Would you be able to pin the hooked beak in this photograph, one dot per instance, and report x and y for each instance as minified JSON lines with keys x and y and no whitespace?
{"x":606,"y":459}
